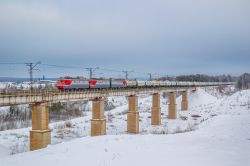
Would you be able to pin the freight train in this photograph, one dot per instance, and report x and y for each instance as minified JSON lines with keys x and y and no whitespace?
{"x":78,"y":84}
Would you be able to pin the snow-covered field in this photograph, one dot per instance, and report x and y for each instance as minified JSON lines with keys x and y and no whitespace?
{"x":214,"y":131}
{"x":8,"y":86}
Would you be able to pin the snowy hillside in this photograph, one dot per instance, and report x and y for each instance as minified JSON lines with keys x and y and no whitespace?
{"x":239,"y":99}
{"x":197,"y":99}
{"x":227,"y":145}
{"x":214,"y":131}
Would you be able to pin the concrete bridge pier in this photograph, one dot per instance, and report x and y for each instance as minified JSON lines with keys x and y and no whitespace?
{"x":40,"y":135}
{"x":133,"y":115}
{"x":98,"y":121}
{"x":156,"y":110}
{"x":172,"y":106}
{"x":184,"y":102}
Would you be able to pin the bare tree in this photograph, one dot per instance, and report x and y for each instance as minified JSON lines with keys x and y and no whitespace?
{"x":244,"y":81}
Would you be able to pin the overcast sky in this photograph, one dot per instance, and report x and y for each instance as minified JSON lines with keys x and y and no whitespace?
{"x":159,"y":36}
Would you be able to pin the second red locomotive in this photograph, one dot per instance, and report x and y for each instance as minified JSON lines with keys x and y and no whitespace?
{"x":77,"y":84}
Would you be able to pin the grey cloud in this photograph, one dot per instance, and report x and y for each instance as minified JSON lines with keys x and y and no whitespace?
{"x":209,"y":36}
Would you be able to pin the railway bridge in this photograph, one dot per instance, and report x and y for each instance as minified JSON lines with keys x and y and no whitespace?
{"x":40,"y":134}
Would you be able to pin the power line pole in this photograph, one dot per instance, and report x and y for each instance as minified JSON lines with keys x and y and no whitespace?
{"x":126,"y":72}
{"x":31,"y":68}
{"x":91,"y":71}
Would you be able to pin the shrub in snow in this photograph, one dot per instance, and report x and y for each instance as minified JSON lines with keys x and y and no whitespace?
{"x":110,"y":116}
{"x":162,"y":130}
{"x":68,"y":124}
{"x":15,"y":117}
{"x":108,"y":105}
{"x":21,"y":145}
{"x":188,"y":128}
{"x":184,"y":117}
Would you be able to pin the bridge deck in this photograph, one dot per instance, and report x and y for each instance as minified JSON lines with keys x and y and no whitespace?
{"x":36,"y":96}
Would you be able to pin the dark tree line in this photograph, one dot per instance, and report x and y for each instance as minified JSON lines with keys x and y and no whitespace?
{"x":201,"y":78}
{"x":205,"y":78}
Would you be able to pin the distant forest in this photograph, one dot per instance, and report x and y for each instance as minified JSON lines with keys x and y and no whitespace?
{"x":243,"y":81}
